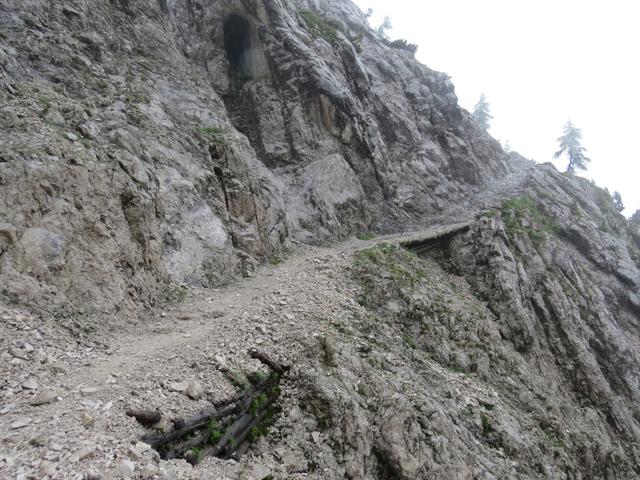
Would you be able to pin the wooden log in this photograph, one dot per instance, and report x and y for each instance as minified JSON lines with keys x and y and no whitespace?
{"x":238,"y":416}
{"x":236,"y":436}
{"x":238,"y":379}
{"x":191,"y":424}
{"x":244,"y":432}
{"x":145,"y":417}
{"x":242,"y":449}
{"x":269,"y":362}
{"x":182,"y":448}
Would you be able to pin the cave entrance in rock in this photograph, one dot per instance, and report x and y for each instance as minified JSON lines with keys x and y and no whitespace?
{"x":237,"y":43}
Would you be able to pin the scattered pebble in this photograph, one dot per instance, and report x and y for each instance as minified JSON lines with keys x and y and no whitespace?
{"x":87,"y":392}
{"x":126,"y":468}
{"x":30,"y":384}
{"x":19,"y":423}
{"x":195,"y":390}
{"x":43,"y":399}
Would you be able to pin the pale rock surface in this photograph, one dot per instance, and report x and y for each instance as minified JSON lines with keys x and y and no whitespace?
{"x":155,"y":151}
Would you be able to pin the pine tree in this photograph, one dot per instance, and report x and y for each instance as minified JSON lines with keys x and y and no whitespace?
{"x":481,"y":112}
{"x":635,"y":218}
{"x":570,"y":143}
{"x":617,"y":201}
{"x":381,"y":31}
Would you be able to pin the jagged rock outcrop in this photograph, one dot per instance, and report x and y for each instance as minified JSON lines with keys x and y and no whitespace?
{"x":509,"y":350}
{"x":147,"y":143}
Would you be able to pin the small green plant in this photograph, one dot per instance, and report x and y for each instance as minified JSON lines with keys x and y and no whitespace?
{"x":275,"y":260}
{"x":455,"y":367}
{"x":575,"y":210}
{"x":46,"y":103}
{"x":489,"y":214}
{"x":259,"y":403}
{"x":86,"y":143}
{"x":213,"y":134}
{"x":522,"y":216}
{"x":366,"y":236}
{"x":177,"y":294}
{"x":552,"y":439}
{"x":239,"y":379}
{"x":409,"y":341}
{"x":402,"y":267}
{"x":254,"y":434}
{"x":215,"y":434}
{"x":487,"y":427}
{"x":195,"y":453}
{"x":320,"y":26}
{"x":402,"y":44}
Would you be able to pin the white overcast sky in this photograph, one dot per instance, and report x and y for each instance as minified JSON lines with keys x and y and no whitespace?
{"x":539,"y":63}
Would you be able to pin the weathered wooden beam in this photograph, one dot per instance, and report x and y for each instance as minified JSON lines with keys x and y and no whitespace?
{"x":145,"y":417}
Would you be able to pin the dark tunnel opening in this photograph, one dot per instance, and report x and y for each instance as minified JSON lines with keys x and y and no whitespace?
{"x":237,"y":42}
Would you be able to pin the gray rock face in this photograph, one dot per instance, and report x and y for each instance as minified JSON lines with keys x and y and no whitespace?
{"x":146,"y":143}
{"x":509,"y":350}
{"x":148,"y":146}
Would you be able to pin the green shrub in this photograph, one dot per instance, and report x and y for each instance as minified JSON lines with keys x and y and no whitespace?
{"x":366,"y":236}
{"x":400,"y":266}
{"x":320,"y":26}
{"x":275,"y":260}
{"x":213,"y":134}
{"x":552,"y":439}
{"x":177,"y":293}
{"x":259,"y":403}
{"x":215,"y":434}
{"x":487,"y":427}
{"x":489,"y":214}
{"x":239,"y":379}
{"x":195,"y":453}
{"x":604,"y":200}
{"x":402,"y":44}
{"x":45,"y":102}
{"x":521,"y":216}
{"x":409,"y":341}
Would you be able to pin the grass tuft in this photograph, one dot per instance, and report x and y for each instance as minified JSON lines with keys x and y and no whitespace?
{"x":213,"y":134}
{"x":366,"y":236}
{"x":320,"y":26}
{"x":521,"y":216}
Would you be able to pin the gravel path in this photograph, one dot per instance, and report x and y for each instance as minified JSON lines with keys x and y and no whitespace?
{"x":63,"y":397}
{"x":84,"y":388}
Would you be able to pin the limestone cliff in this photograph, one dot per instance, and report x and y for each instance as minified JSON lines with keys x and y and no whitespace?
{"x":147,"y":142}
{"x":532,"y":312}
{"x":148,"y":145}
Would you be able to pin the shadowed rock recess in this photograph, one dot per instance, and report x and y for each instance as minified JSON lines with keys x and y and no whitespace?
{"x":152,"y":148}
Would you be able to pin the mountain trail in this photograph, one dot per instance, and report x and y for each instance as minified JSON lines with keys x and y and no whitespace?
{"x":84,"y":388}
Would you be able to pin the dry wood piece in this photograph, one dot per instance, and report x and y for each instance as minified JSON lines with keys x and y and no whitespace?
{"x":227,"y":428}
{"x":272,"y":364}
{"x":145,"y":417}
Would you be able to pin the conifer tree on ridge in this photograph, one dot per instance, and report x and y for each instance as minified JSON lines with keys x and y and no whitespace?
{"x":571,"y":145}
{"x":482,"y":112}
